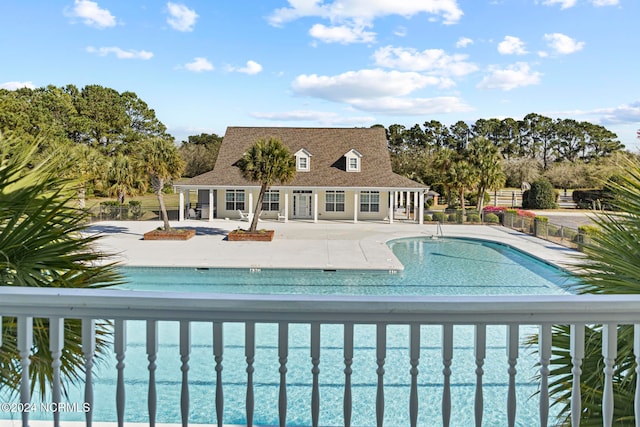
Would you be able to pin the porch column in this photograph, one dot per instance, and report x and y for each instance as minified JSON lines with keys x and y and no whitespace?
{"x":355,"y":207}
{"x":250,"y":209}
{"x":181,"y":206}
{"x":415,"y":206}
{"x":286,"y":206}
{"x":421,"y":208}
{"x":392,"y":198}
{"x":408,"y":205}
{"x":187,"y":202}
{"x":315,"y":206}
{"x":210,"y":204}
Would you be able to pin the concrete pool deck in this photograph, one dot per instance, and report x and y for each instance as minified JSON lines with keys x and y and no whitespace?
{"x":299,"y":244}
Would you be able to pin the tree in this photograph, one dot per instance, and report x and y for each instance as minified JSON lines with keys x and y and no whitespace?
{"x":267,"y":162}
{"x":541,"y":195}
{"x":42,"y":245}
{"x":162,"y":162}
{"x":200,"y":153}
{"x":611,"y":267}
{"x":124,"y":177}
{"x":487,"y":162}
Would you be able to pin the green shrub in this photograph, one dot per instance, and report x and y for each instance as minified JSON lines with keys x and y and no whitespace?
{"x":473,"y":217}
{"x":438,"y":216}
{"x":451,"y":217}
{"x":491,"y":218}
{"x":540,"y":196}
{"x":135,"y":209}
{"x":428,"y":218}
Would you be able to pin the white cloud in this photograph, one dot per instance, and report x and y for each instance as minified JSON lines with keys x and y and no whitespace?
{"x":199,"y":64}
{"x":563,"y":44}
{"x":362,"y":84}
{"x":344,"y":34}
{"x":322,"y":117}
{"x":511,"y":46}
{"x":412,"y":106}
{"x":251,"y":68}
{"x":91,"y":14}
{"x":400,"y":31}
{"x":365,"y":11}
{"x":600,"y":3}
{"x":464,"y":42}
{"x":16,"y":85}
{"x":516,"y":75}
{"x":435,"y":61}
{"x":182,"y":18}
{"x":627,"y":113}
{"x":120,"y":53}
{"x":564,"y":4}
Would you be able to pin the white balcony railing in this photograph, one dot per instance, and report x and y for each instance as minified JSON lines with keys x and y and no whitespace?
{"x":445,"y":312}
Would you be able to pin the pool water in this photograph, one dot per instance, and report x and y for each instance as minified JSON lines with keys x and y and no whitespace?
{"x":432,"y":267}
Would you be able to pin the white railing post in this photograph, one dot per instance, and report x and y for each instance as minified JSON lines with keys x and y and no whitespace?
{"x":249,"y":354}
{"x":25,"y":341}
{"x":544,"y":344}
{"x":120,"y":346}
{"x":381,"y":354}
{"x":577,"y":354}
{"x":56,"y":343}
{"x":513,"y":342}
{"x":414,"y":360}
{"x":185,"y":351}
{"x":88,"y":351}
{"x":348,"y":361}
{"x":152,"y":354}
{"x":480,"y":352}
{"x":218,"y":350}
{"x":283,"y":354}
{"x":609,"y":353}
{"x":315,"y":372}
{"x":447,"y":356}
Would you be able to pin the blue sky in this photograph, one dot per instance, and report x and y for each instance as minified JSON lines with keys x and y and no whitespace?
{"x":204,"y":65}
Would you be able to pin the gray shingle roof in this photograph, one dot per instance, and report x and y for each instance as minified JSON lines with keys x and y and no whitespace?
{"x":327,"y":147}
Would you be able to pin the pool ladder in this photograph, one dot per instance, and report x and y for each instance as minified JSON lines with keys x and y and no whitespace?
{"x":439,"y":233}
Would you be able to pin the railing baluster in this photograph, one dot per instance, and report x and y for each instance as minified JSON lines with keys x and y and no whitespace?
{"x":577,"y":354}
{"x":152,"y":355}
{"x":1,"y":331}
{"x":544,"y":342}
{"x":414,"y":360}
{"x":348,"y":361}
{"x":283,"y":354}
{"x":218,"y":350}
{"x":609,"y":353}
{"x":447,"y":356}
{"x":25,"y":341}
{"x":480,"y":350}
{"x":88,"y":351}
{"x":636,"y":352}
{"x":56,"y":342}
{"x":381,"y":354}
{"x":120,"y":346}
{"x":513,"y":340}
{"x":315,"y":371}
{"x":185,"y":350}
{"x":249,"y":353}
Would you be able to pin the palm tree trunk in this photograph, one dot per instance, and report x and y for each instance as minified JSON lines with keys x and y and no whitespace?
{"x":157,"y":184}
{"x":258,"y":209}
{"x":462,"y":202}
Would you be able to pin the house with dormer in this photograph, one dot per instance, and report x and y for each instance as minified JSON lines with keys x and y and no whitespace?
{"x":341,"y":174}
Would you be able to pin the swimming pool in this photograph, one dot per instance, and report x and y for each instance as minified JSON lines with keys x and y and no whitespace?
{"x":432,"y":267}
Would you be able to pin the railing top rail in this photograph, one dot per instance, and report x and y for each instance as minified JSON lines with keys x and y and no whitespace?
{"x":123,"y":304}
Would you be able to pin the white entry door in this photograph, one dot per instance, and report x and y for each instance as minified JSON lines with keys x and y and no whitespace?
{"x":302,"y":205}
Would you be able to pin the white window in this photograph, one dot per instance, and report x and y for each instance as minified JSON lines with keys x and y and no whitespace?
{"x":234,"y":200}
{"x":271,"y":201}
{"x":353,"y":158}
{"x":369,"y":201}
{"x":303,"y":160}
{"x":334,"y":201}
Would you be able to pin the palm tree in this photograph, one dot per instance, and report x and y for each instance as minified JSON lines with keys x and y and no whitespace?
{"x":162,"y":162}
{"x":267,"y":162}
{"x":611,"y":268}
{"x":124,"y":177}
{"x":42,"y":246}
{"x":486,"y":159}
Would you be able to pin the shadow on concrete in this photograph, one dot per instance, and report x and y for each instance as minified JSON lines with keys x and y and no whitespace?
{"x":109,"y":229}
{"x":205,"y":231}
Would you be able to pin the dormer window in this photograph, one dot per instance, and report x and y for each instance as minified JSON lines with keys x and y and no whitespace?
{"x":303,"y":160}
{"x":353,"y":158}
